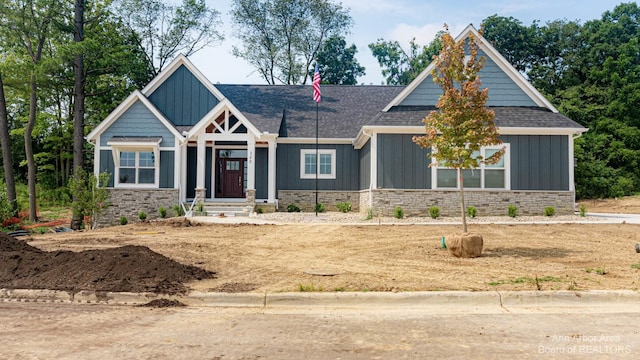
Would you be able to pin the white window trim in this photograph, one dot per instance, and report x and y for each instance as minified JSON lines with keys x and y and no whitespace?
{"x":331,"y":152}
{"x":507,"y":171}
{"x":117,"y":149}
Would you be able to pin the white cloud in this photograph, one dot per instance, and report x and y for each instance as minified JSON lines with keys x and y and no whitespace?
{"x":377,"y":6}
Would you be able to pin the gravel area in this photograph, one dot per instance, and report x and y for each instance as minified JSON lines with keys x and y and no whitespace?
{"x":359,"y":218}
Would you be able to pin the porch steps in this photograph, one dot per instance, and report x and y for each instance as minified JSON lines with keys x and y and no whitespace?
{"x":227,"y":209}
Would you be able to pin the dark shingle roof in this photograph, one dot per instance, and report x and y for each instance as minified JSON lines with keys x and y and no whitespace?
{"x":532,"y":117}
{"x":341,"y":113}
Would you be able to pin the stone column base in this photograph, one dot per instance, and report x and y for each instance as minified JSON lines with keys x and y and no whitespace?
{"x":201,"y":194}
{"x":251,"y":196}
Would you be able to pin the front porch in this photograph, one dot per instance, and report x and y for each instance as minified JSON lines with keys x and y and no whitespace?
{"x":226,"y":160}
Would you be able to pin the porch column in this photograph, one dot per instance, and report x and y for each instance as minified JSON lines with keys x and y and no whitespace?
{"x":271,"y":181}
{"x":200,"y":189}
{"x":251,"y":166}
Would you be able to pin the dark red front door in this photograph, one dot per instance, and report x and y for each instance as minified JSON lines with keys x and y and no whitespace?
{"x":232,"y":177}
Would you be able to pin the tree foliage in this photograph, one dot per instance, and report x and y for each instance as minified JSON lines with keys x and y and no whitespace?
{"x":462,"y":125}
{"x":399,"y":66}
{"x":592,"y":73}
{"x":337,"y":63}
{"x":162,"y":30}
{"x":281,"y":38}
{"x":90,"y":195}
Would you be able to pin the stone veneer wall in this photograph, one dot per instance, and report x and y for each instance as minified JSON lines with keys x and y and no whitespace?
{"x":129,"y":202}
{"x":306,"y":199}
{"x":488,"y":203}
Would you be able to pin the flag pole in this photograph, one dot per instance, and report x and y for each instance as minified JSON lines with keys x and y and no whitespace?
{"x":317,"y":159}
{"x":316,"y":98}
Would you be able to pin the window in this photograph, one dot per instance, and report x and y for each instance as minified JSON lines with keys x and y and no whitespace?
{"x":137,"y":167}
{"x":487,"y":176}
{"x":326,"y":167}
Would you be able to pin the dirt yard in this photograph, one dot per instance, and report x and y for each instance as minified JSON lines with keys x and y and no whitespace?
{"x":628,"y":205}
{"x":335,"y":257}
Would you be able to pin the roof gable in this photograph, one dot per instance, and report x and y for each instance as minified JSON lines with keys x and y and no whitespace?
{"x":507,"y":86}
{"x":182,"y":93}
{"x":138,"y":102}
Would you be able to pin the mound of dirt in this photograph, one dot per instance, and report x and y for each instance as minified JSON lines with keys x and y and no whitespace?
{"x":128,"y":268}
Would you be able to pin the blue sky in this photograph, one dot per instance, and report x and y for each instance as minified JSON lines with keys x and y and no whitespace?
{"x":399,"y":20}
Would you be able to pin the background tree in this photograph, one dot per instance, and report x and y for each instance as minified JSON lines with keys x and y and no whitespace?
{"x":7,"y":159}
{"x":162,"y":31}
{"x":401,"y":67}
{"x":282,"y":38}
{"x":30,"y":23}
{"x":462,"y":125}
{"x":337,"y":63}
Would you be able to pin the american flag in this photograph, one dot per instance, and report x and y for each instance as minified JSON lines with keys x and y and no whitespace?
{"x":316,"y":85}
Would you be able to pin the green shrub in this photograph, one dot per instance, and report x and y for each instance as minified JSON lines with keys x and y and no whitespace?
{"x":398,"y":213}
{"x":434,"y":212}
{"x":549,"y":211}
{"x":259,"y":210}
{"x":293,"y":208}
{"x":320,"y":208}
{"x":369,"y":214}
{"x":345,"y":207}
{"x":583,"y":210}
{"x":123,"y":220}
{"x":142,"y":215}
{"x":178,"y":209}
{"x":162,"y":211}
{"x":512,"y":211}
{"x":472,"y":211}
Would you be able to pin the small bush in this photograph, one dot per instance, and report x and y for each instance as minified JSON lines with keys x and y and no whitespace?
{"x":512,"y":211}
{"x":320,"y":208}
{"x":583,"y":210}
{"x":259,"y":210}
{"x":293,"y":208}
{"x":398,"y":213}
{"x":142,"y":215}
{"x":178,"y":210}
{"x":472,"y":211}
{"x":199,"y":207}
{"x":369,"y":214}
{"x":549,"y":211}
{"x":434,"y":212}
{"x":345,"y":207}
{"x":123,"y":220}
{"x":162,"y":211}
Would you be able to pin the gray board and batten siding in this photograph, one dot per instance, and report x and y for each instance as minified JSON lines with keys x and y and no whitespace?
{"x":182,"y":98}
{"x":365,"y":166}
{"x":503,"y":90}
{"x":262,"y":173}
{"x":288,"y":168}
{"x":538,"y":162}
{"x":401,"y":163}
{"x":138,"y":121}
{"x":167,"y":168}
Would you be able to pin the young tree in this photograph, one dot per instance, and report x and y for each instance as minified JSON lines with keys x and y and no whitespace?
{"x":337,"y":63}
{"x":462,"y":125}
{"x":281,"y":38}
